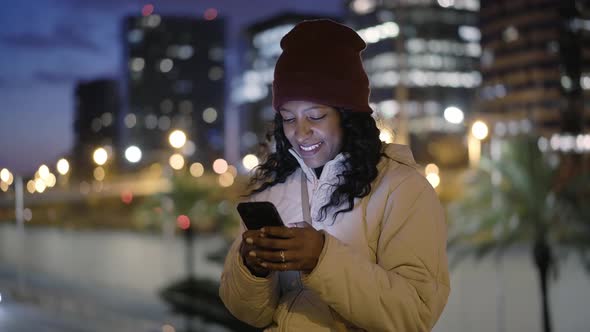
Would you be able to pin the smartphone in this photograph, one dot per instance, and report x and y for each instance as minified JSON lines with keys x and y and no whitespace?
{"x":259,"y":214}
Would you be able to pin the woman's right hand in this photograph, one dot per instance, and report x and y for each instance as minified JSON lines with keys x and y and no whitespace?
{"x":252,"y":263}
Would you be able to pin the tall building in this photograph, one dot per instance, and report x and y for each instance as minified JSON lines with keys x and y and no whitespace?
{"x":422,"y":59}
{"x":536,"y":65}
{"x":252,"y":90}
{"x":98,"y":105}
{"x":175,"y":80}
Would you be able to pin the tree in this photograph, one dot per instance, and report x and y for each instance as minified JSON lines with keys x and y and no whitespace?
{"x":527,"y":197}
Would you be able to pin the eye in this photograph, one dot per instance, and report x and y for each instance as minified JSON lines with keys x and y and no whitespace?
{"x":317,"y":118}
{"x":288,"y":120}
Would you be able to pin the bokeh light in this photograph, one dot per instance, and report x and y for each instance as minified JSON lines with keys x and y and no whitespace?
{"x":385,"y":136}
{"x":31,"y":186}
{"x":210,"y":14}
{"x":133,"y":154}
{"x":126,"y":196}
{"x":147,"y":10}
{"x":183,"y":222}
{"x":63,"y":166}
{"x":434,"y":179}
{"x":4,"y":174}
{"x":3,"y":186}
{"x":220,"y":166}
{"x":100,"y":156}
{"x":99,"y":173}
{"x":176,"y":161}
{"x":453,"y":115}
{"x":43,"y":171}
{"x":40,"y":185}
{"x":50,"y":180}
{"x":226,"y":179}
{"x":177,"y":139}
{"x":197,"y":169}
{"x":431,"y":169}
{"x":250,"y":161}
{"x":479,"y":130}
{"x":27,"y":214}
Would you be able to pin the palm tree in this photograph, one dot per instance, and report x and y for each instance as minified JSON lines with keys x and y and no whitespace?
{"x":524,"y":197}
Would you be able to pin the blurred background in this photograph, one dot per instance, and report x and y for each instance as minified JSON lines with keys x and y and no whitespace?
{"x":128,"y":130}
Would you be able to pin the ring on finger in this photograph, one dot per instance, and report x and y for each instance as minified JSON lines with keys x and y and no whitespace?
{"x":282,"y":253}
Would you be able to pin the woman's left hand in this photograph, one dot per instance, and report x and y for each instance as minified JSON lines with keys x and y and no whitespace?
{"x":283,"y":248}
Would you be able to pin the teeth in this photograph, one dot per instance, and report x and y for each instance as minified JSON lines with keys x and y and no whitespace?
{"x":310,"y":148}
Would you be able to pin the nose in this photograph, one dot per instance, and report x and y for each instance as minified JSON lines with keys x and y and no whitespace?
{"x":302,"y":130}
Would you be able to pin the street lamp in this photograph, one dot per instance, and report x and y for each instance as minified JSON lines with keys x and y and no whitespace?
{"x":479,"y":131}
{"x":133,"y":154}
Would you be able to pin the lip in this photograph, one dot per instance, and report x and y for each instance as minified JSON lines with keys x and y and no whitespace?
{"x":309,"y":153}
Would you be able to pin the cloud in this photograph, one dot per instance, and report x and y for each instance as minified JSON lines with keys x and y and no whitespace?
{"x":63,"y":36}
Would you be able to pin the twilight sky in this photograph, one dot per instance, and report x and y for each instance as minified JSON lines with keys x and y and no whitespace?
{"x":46,"y":46}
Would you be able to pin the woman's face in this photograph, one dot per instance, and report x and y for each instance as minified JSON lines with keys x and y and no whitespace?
{"x":313,"y":130}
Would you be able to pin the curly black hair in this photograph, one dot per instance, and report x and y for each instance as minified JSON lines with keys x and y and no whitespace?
{"x":361,"y":145}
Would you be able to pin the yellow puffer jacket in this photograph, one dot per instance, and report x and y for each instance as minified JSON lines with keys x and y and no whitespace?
{"x":383,"y":266}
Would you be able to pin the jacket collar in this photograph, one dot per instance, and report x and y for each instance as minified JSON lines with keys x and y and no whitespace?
{"x":331,"y":169}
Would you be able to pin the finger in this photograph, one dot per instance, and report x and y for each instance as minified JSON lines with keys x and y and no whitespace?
{"x":278,"y":231}
{"x":275,"y":244}
{"x":271,"y":256}
{"x":291,"y":266}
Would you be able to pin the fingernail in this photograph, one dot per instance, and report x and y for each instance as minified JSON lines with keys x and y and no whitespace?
{"x":252,"y":253}
{"x":263,"y":264}
{"x":249,"y":240}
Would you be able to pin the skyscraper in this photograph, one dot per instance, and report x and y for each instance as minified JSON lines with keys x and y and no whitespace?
{"x":422,"y":60}
{"x":175,"y":80}
{"x":536,"y":65}
{"x":97,"y":106}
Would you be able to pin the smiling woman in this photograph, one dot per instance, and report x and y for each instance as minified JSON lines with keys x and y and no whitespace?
{"x":363,"y":246}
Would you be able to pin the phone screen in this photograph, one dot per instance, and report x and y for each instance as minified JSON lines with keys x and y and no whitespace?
{"x":259,"y":214}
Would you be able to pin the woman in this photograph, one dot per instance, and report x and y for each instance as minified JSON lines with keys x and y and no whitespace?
{"x":364,"y":242}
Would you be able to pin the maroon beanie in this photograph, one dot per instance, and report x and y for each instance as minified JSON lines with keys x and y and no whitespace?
{"x":321,"y":63}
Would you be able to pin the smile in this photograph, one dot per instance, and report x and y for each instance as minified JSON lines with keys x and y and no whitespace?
{"x":311,"y":147}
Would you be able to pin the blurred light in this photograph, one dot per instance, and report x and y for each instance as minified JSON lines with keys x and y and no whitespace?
{"x":220,"y":166}
{"x":63,"y":166}
{"x":40,"y":185}
{"x":431,"y":169}
{"x":500,"y":128}
{"x":215,"y":73}
{"x":168,"y":328}
{"x":10,"y":179}
{"x":585,"y":81}
{"x":209,"y":115}
{"x":164,"y":123}
{"x":43,"y":171}
{"x":479,"y":130}
{"x":177,"y":138}
{"x":27,"y":214}
{"x":543,"y":144}
{"x":183,"y":222}
{"x":513,"y":128}
{"x":176,"y":161}
{"x":166,"y":65}
{"x":100,"y":156}
{"x":189,"y":148}
{"x":185,"y":52}
{"x":107,"y":119}
{"x":153,"y":21}
{"x":151,"y":121}
{"x":50,"y":180}
{"x":362,"y":7}
{"x":434,"y":179}
{"x":147,"y":10}
{"x":445,"y":3}
{"x":137,"y":64}
{"x":31,"y":186}
{"x":4,"y":186}
{"x":133,"y":154}
{"x":379,"y":32}
{"x":130,"y":120}
{"x":99,"y":173}
{"x":385,"y":136}
{"x":226,"y":179}
{"x":510,"y":34}
{"x":469,"y":33}
{"x":197,"y":169}
{"x":250,"y":161}
{"x":4,"y":174}
{"x":453,"y":115}
{"x":566,"y":82}
{"x":126,"y":196}
{"x":231,"y":169}
{"x":210,"y":14}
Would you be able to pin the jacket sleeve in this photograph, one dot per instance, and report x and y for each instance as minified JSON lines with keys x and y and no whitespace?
{"x":251,"y":299}
{"x":407,"y":288}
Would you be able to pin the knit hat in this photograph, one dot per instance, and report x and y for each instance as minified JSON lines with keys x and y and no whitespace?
{"x":321,"y":63}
